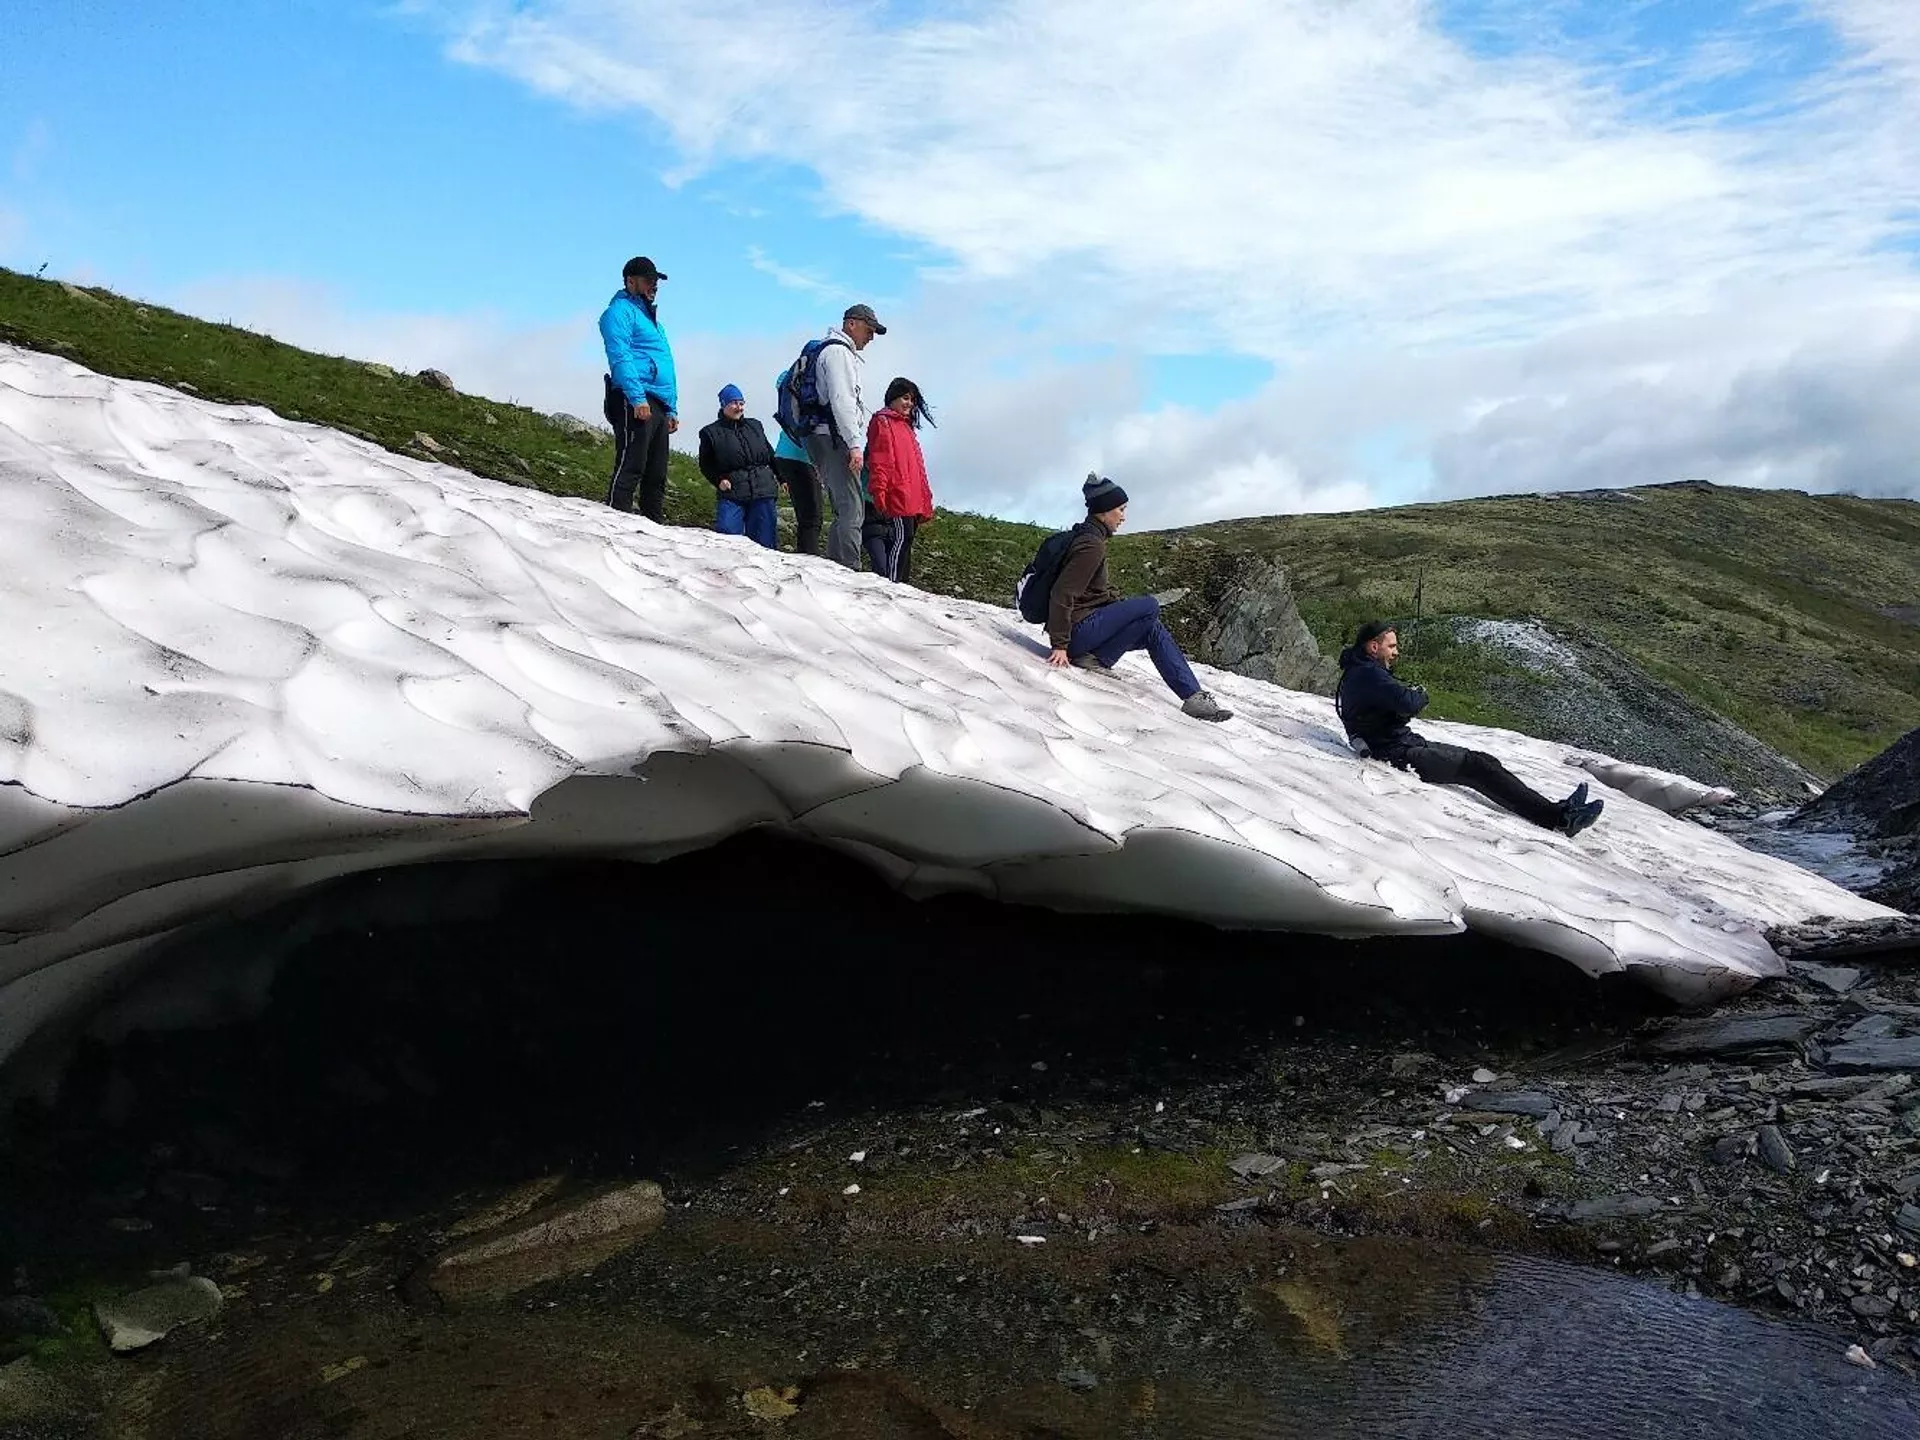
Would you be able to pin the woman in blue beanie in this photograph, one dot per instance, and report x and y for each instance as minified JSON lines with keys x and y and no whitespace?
{"x":737,"y":459}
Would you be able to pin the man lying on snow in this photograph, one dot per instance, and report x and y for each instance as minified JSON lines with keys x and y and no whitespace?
{"x":1375,"y":708}
{"x":1090,"y":623}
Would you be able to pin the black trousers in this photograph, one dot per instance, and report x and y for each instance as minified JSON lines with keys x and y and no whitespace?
{"x":803,"y":484}
{"x":1477,"y":770}
{"x":888,"y":540}
{"x":639,"y":456}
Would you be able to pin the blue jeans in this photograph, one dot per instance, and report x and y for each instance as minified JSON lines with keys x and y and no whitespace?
{"x":758,"y":520}
{"x":1113,"y":630}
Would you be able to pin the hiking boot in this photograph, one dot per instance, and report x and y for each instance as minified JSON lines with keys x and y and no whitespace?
{"x":1577,"y":798}
{"x":1202,"y":706}
{"x":1088,"y":661}
{"x":1575,"y":818}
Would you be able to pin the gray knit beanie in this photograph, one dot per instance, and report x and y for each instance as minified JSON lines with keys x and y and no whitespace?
{"x":1102,"y":495}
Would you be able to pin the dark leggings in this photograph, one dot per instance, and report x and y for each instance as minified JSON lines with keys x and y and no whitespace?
{"x":1477,"y":770}
{"x":803,"y":485}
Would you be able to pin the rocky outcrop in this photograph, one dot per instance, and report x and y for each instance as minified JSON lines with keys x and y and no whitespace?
{"x":437,"y":380}
{"x":1254,"y":629}
{"x":1878,"y":804}
{"x":1580,"y":691}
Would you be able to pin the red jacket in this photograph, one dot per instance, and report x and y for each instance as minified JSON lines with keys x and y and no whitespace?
{"x":895,"y":469}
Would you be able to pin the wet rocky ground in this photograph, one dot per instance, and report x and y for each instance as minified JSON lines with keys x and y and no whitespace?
{"x":927,"y":1169}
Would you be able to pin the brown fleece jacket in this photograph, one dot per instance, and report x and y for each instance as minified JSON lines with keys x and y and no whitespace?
{"x":1082,"y":586}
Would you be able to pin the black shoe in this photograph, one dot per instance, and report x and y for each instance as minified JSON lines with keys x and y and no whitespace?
{"x":1576,"y":818}
{"x":1577,"y":798}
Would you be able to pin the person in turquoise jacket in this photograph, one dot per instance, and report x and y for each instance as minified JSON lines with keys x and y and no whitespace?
{"x":794,"y":467}
{"x":642,"y":400}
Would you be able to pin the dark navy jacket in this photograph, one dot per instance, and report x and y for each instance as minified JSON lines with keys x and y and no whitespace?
{"x":1375,"y":707}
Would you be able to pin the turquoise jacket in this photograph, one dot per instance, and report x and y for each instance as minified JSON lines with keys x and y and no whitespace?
{"x":786,"y":449}
{"x":638,"y":356}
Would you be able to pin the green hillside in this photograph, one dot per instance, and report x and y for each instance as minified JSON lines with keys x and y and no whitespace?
{"x":1795,"y":616}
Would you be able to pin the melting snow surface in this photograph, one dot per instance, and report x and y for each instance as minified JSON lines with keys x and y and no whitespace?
{"x":241,"y":655}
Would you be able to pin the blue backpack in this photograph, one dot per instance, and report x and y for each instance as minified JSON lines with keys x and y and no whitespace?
{"x":1033,"y":592}
{"x":802,"y":409}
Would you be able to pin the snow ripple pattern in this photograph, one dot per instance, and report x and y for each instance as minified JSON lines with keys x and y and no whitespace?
{"x":241,"y":654}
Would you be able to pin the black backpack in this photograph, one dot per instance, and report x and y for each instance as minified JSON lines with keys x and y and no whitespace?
{"x":1033,"y":592}
{"x":802,"y":409}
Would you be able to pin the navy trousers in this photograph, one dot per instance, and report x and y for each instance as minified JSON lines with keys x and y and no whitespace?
{"x":1113,"y":630}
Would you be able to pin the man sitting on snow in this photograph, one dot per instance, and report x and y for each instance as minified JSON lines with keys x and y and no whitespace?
{"x":1375,"y":708}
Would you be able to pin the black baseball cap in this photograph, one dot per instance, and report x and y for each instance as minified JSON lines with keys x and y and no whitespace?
{"x":643,"y":267}
{"x":863,"y":312}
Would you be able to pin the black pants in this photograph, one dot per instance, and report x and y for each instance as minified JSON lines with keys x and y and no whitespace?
{"x":803,"y":484}
{"x":639,"y":456}
{"x":889,"y":544}
{"x":1477,"y":770}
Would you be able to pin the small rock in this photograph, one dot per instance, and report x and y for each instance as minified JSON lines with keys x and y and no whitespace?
{"x":1858,"y":1356}
{"x":1078,"y":1379}
{"x":1734,"y":1035}
{"x":436,"y":380}
{"x":574,"y":425}
{"x":1613,"y":1207}
{"x":1332,"y":1171}
{"x":1234,"y":1207}
{"x":1774,"y":1150}
{"x":487,"y":417}
{"x":1662,"y":1247}
{"x":767,"y":1403}
{"x":1408,"y":1064}
{"x":427,"y":442}
{"x":1513,"y":1102}
{"x":1484,"y":1076}
{"x":1871,"y":1307}
{"x":1255,"y":1166}
{"x":1871,"y":1027}
{"x":851,"y":1190}
{"x":1565,"y":1136}
{"x":1908,"y":1219}
{"x":1882,"y":1054}
{"x":1837,"y":978}
{"x":135,"y":1321}
{"x":384,"y":372}
{"x":563,"y":1238}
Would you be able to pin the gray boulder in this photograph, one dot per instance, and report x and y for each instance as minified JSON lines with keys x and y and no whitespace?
{"x":437,"y":380}
{"x":574,"y":425}
{"x":135,"y":1321}
{"x":563,"y":1238}
{"x":1254,"y":629}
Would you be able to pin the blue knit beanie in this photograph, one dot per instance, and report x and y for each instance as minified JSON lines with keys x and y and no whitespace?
{"x":732,"y":395}
{"x":1102,"y":495}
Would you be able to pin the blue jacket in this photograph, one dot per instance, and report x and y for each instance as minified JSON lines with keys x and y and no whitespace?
{"x":784,"y":448}
{"x":638,"y":355}
{"x":1375,"y":707}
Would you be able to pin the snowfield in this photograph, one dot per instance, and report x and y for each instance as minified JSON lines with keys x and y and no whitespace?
{"x":241,"y":655}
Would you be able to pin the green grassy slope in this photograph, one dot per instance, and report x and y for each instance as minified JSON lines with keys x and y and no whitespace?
{"x":1767,"y":606}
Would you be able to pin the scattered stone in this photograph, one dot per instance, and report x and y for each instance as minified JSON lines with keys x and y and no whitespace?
{"x":384,"y":372}
{"x":331,"y":1373}
{"x":563,"y":1238}
{"x":77,"y":293}
{"x":1838,"y":1087}
{"x":1663,"y":1247}
{"x":1871,"y":1027}
{"x":1871,"y":1307}
{"x":427,"y":442}
{"x":1837,"y":938}
{"x":1565,"y":1137}
{"x":1774,"y":1150}
{"x":1408,"y":1064}
{"x":24,"y":1315}
{"x":1856,"y":1355}
{"x":1613,"y":1207}
{"x":487,"y":416}
{"x":1837,"y":978}
{"x":436,"y":380}
{"x":1332,"y":1170}
{"x":135,"y":1321}
{"x":1907,"y":1186}
{"x":1908,"y":1219}
{"x":1235,"y":1207}
{"x":1078,"y":1378}
{"x":1255,"y":1166}
{"x":1484,"y":1076}
{"x":1733,"y":1035}
{"x":1901,"y":1054}
{"x":1513,"y":1102}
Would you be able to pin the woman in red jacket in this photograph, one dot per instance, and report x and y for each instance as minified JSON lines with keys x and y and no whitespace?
{"x":899,"y":499}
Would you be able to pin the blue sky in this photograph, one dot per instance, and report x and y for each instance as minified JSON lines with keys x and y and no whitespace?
{"x":1258,"y":255}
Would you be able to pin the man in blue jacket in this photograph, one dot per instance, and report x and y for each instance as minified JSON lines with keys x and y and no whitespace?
{"x":1375,"y":708}
{"x":643,"y":401}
